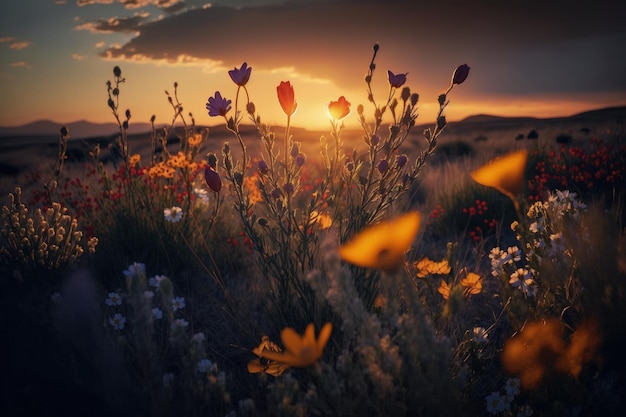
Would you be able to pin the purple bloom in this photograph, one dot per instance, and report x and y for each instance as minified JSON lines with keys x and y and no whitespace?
{"x":240,"y":76}
{"x":383,"y":166}
{"x":218,"y":106}
{"x":263,"y":167}
{"x":396,"y":80}
{"x":401,"y":161}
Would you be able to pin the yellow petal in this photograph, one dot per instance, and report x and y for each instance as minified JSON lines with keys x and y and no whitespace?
{"x":505,"y":174}
{"x":292,"y":341}
{"x":382,"y":245}
{"x":444,"y":290}
{"x":323,"y":338}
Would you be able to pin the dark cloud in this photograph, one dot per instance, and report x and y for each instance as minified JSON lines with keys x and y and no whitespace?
{"x":524,"y":47}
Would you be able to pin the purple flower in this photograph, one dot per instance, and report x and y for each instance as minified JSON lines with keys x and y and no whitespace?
{"x":401,"y":161}
{"x":218,"y":106}
{"x":263,"y":167}
{"x":396,"y":80}
{"x":240,"y":76}
{"x":460,"y":74}
{"x":212,"y":179}
{"x":383,"y":166}
{"x":300,"y":158}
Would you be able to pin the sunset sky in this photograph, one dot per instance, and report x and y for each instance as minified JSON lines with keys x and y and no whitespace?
{"x":528,"y":58}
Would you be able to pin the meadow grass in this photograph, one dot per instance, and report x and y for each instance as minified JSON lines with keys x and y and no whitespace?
{"x":193,"y":280}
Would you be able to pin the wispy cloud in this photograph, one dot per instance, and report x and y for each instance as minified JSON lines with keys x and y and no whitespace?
{"x":20,"y":64}
{"x":78,"y":57}
{"x":15,"y":43}
{"x":131,"y":24}
{"x":134,"y":4}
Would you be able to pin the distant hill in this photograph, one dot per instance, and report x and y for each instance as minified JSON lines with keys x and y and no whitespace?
{"x":78,"y":130}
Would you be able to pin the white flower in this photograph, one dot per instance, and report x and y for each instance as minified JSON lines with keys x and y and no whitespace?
{"x":113,"y":299}
{"x":511,"y":387}
{"x":198,"y":338}
{"x":173,"y":214}
{"x":135,"y":269}
{"x":168,"y":379}
{"x":515,"y":253}
{"x":155,"y":281}
{"x":522,"y":279}
{"x":494,"y":403}
{"x":178,"y":303}
{"x":117,"y":321}
{"x":202,"y":194}
{"x":157,"y":313}
{"x":180,"y":323}
{"x":496,"y":261}
{"x":205,"y":365}
{"x":479,"y":335}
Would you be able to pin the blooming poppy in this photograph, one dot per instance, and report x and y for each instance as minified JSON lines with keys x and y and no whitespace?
{"x":286,"y":98}
{"x":261,"y":364}
{"x":339,"y":109}
{"x":240,"y":76}
{"x":382,"y":246}
{"x":505,"y":174}
{"x":425,"y":267}
{"x":460,"y":74}
{"x":218,"y":106}
{"x":300,"y":351}
{"x":396,"y":80}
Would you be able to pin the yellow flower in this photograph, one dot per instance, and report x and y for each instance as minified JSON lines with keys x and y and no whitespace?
{"x":382,"y":245}
{"x":444,"y":290}
{"x":135,"y":159}
{"x":261,"y":364}
{"x":323,"y":219}
{"x":194,"y":140}
{"x":425,"y":267}
{"x":473,"y":283}
{"x":505,"y":174}
{"x":301,"y":351}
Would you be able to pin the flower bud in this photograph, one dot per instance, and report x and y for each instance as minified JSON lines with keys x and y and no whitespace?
{"x":350,"y":166}
{"x":251,"y":108}
{"x":300,"y":159}
{"x":263,"y":222}
{"x":238,"y":177}
{"x":405,"y":94}
{"x":294,"y":150}
{"x":117,"y":71}
{"x":263,"y":168}
{"x":383,"y":166}
{"x":111,"y":103}
{"x":374,"y":140}
{"x":125,"y":124}
{"x":276,"y":193}
{"x":414,"y":99}
{"x":401,"y":161}
{"x":427,"y":134}
{"x":64,"y":132}
{"x":460,"y":74}
{"x":115,"y":91}
{"x":441,"y":99}
{"x":212,"y":179}
{"x":212,"y":160}
{"x":359,"y":109}
{"x":288,"y":188}
{"x":441,"y":122}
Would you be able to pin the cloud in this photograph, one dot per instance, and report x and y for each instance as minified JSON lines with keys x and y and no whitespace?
{"x":20,"y":64}
{"x":79,"y":57}
{"x":133,"y":4}
{"x":518,"y":47}
{"x":15,"y":43}
{"x":131,"y":24}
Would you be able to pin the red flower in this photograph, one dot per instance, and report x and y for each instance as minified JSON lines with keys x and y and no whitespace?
{"x":339,"y":109}
{"x":286,"y":98}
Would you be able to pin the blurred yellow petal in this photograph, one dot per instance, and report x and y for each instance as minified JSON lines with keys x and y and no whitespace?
{"x":324,"y":336}
{"x":505,"y":174}
{"x":444,"y":290}
{"x":300,"y":351}
{"x":383,"y":245}
{"x":292,"y":341}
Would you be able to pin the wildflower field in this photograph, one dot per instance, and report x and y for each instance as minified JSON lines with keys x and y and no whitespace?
{"x":387,"y":272}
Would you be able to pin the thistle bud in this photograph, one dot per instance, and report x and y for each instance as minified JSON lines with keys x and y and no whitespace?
{"x":251,"y":108}
{"x":401,"y":161}
{"x":414,"y":99}
{"x":152,"y":119}
{"x":263,"y":168}
{"x":276,"y":193}
{"x":376,"y":47}
{"x":238,"y":177}
{"x":300,"y":159}
{"x":441,"y":99}
{"x":111,"y":104}
{"x":441,"y":122}
{"x":212,"y":179}
{"x":117,"y":71}
{"x":212,"y":160}
{"x":115,"y":91}
{"x":374,"y":140}
{"x":288,"y":188}
{"x":460,"y":74}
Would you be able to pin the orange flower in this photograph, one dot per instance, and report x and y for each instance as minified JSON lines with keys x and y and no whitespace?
{"x":301,"y":351}
{"x":382,"y":246}
{"x":339,"y":109}
{"x":135,"y":159}
{"x":324,"y":220}
{"x":286,"y":98}
{"x":473,"y":283}
{"x":444,"y":290}
{"x":261,"y":364}
{"x":425,"y":267}
{"x":505,"y":174}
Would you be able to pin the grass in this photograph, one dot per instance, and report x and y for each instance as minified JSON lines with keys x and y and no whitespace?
{"x":499,"y":306}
